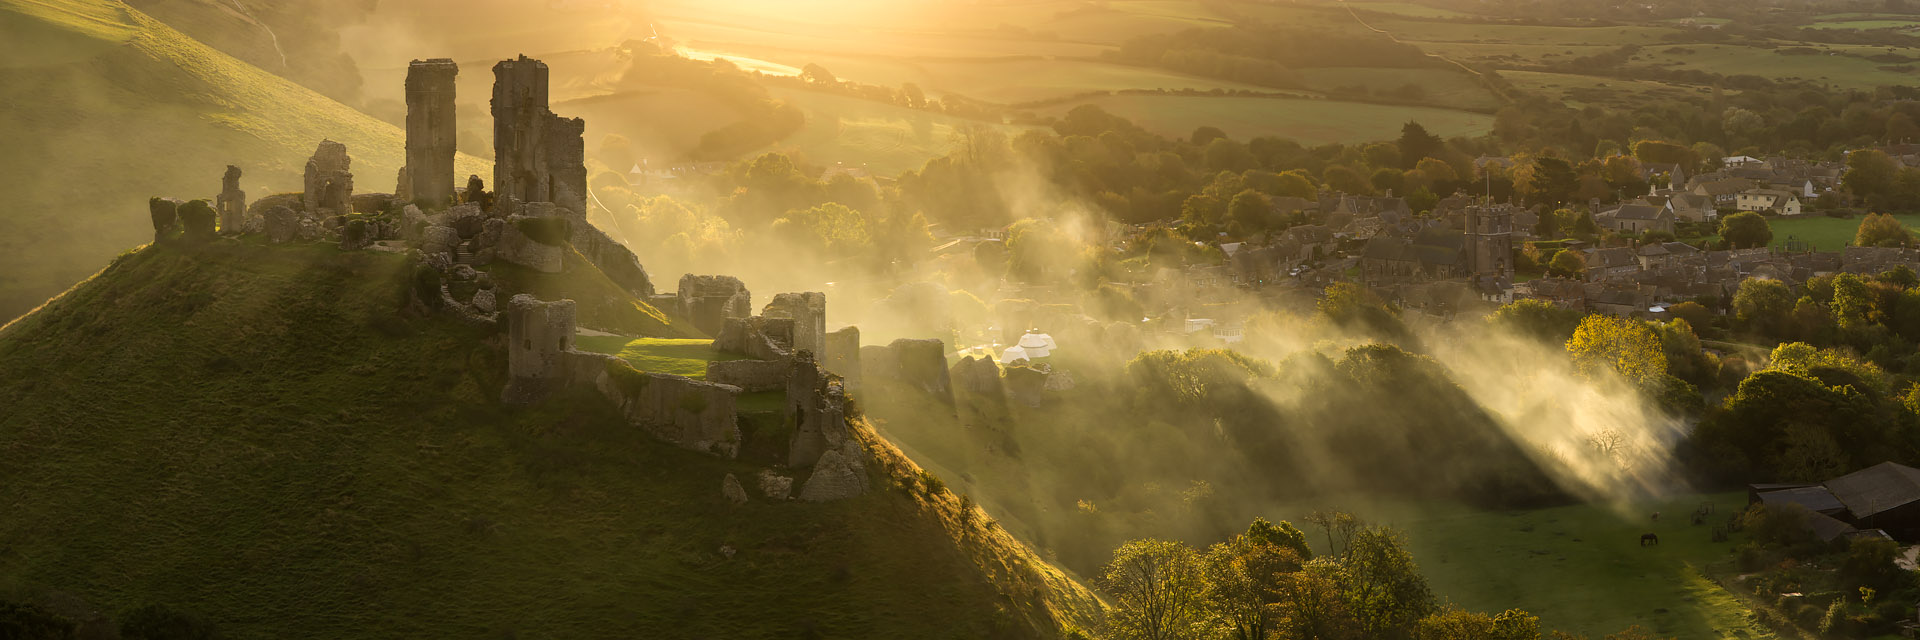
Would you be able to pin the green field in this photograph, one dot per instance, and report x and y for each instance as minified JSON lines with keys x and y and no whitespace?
{"x":678,"y":356}
{"x":1439,"y":87}
{"x":1307,"y":121}
{"x":883,"y":138}
{"x":1490,"y":561}
{"x":1826,"y":67}
{"x":1408,"y":9}
{"x":1827,"y":234}
{"x":1866,"y":24}
{"x":1582,"y":90}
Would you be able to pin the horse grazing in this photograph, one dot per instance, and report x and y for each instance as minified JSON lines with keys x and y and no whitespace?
{"x":1648,"y":538}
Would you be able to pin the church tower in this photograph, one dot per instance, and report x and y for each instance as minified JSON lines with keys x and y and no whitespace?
{"x":1490,"y":240}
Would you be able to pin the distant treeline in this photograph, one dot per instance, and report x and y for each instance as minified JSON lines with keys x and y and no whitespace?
{"x":765,"y":119}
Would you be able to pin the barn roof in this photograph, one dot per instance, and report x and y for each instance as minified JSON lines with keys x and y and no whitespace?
{"x":1816,"y":499}
{"x":1877,"y":489}
{"x":1826,"y":527}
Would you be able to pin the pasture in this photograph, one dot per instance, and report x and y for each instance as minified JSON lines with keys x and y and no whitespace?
{"x":883,"y":138}
{"x":1829,"y":65}
{"x":1827,"y":234}
{"x":1310,"y":122}
{"x":1490,"y":561}
{"x":1437,"y":87}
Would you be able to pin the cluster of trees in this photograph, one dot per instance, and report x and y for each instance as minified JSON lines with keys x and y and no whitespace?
{"x":1876,"y":181}
{"x":1267,"y":584}
{"x":1876,"y":316}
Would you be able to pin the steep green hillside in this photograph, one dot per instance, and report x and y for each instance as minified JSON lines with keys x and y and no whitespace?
{"x":257,"y":434}
{"x":105,"y":107}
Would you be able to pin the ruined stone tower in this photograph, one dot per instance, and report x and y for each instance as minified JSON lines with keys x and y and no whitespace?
{"x":329,"y":183}
{"x":232,"y":202}
{"x":431,"y":137}
{"x":538,"y":156}
{"x":1490,"y":240}
{"x":539,"y":335}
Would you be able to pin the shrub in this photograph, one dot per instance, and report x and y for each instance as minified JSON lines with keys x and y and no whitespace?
{"x":548,"y":231}
{"x":20,"y":620}
{"x":426,"y":286}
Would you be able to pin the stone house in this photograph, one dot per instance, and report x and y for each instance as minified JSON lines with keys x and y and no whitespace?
{"x":1637,"y":218}
{"x":1665,"y":254}
{"x":1617,"y":263}
{"x":1772,"y":201}
{"x":1724,"y":192}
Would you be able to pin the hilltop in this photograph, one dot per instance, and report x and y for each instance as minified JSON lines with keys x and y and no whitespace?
{"x":106,"y":106}
{"x":265,"y":436}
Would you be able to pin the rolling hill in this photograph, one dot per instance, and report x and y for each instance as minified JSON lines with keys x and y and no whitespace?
{"x":105,"y":107}
{"x":262,"y":436}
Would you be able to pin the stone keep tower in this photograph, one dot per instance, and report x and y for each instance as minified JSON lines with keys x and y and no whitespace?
{"x":539,"y":335}
{"x":1490,"y":240}
{"x":431,"y":137}
{"x":538,"y":156}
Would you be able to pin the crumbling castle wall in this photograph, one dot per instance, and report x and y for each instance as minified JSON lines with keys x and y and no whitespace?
{"x":816,"y":407}
{"x":329,"y":181}
{"x":708,"y":301}
{"x":691,"y":414}
{"x":809,"y":314}
{"x":431,"y":133}
{"x":539,"y":335}
{"x":538,"y":156}
{"x":843,"y":355}
{"x":232,"y":202}
{"x":749,"y":375}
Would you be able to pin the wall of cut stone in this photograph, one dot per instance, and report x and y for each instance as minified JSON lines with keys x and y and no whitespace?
{"x":691,"y":414}
{"x":750,"y":375}
{"x":432,"y":133}
{"x":539,"y":336}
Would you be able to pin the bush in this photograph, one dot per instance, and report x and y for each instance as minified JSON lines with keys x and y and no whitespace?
{"x":548,"y":231}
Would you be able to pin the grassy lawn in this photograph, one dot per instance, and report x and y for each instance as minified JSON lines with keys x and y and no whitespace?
{"x":1827,"y":234}
{"x":678,"y":356}
{"x":1310,"y":122}
{"x":1580,"y":568}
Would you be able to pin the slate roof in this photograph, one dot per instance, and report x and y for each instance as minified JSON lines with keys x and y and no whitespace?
{"x":1816,"y":499}
{"x":1877,"y":489}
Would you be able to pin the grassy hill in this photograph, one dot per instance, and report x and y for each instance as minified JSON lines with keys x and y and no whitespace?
{"x":259,"y":435}
{"x":106,"y":107}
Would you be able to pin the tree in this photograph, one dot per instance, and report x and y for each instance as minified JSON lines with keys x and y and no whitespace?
{"x":1552,"y":182}
{"x":1440,"y":174}
{"x":1567,"y":264}
{"x":1548,"y":227}
{"x":1295,"y":183}
{"x":1853,"y":303}
{"x":1882,"y":230}
{"x":1870,"y":172}
{"x":1662,"y":152}
{"x":1314,"y":605}
{"x":1245,"y":577}
{"x":1746,"y":230}
{"x":1223,"y":154}
{"x":1696,"y":315}
{"x":1204,"y":135}
{"x":816,"y":74}
{"x":1202,"y":210}
{"x":1250,"y":209}
{"x":1344,"y":179}
{"x":1283,"y":534}
{"x":1158,"y":589}
{"x":1417,"y":144}
{"x":1762,"y":306}
{"x":1383,"y":586}
{"x":1458,"y":624}
{"x":832,"y":228}
{"x":1626,"y":347}
{"x":1538,"y":319}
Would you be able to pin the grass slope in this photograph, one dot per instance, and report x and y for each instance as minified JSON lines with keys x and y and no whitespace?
{"x":681,"y":357}
{"x":106,"y":107}
{"x":255,"y":434}
{"x":598,"y":302}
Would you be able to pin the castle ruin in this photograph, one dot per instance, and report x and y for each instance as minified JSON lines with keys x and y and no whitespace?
{"x":431,"y":133}
{"x":538,"y":155}
{"x":329,"y":182}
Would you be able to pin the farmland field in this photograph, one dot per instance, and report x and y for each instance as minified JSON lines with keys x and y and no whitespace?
{"x":1579,"y":90}
{"x":1489,"y":561}
{"x":1829,"y":67}
{"x":883,"y":138}
{"x":1307,"y":121}
{"x":1440,"y":87}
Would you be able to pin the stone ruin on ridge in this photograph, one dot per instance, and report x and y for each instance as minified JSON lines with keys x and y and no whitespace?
{"x":538,"y":210}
